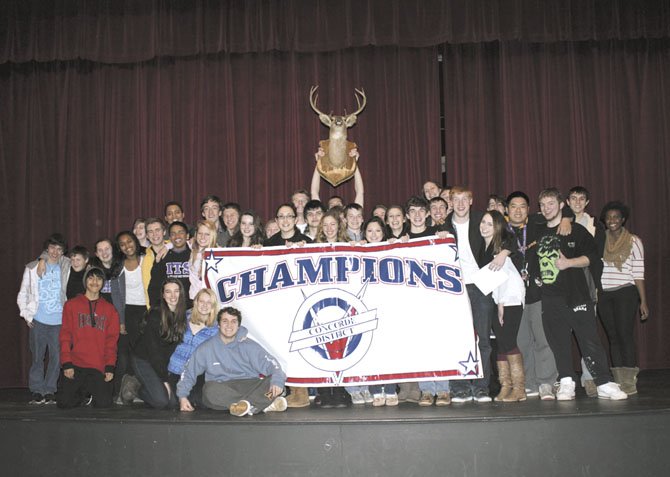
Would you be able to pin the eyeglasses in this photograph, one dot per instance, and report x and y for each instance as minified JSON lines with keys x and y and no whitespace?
{"x":285,"y":217}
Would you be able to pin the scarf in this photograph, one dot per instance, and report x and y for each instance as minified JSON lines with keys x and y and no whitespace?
{"x":618,"y":250}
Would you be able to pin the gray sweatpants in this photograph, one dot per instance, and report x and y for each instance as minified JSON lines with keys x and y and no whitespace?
{"x":220,"y":395}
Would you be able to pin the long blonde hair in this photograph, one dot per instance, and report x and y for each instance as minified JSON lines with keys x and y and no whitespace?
{"x":341,"y":227}
{"x":196,"y":317}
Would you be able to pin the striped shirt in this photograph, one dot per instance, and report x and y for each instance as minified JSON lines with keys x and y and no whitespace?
{"x":632,"y":269}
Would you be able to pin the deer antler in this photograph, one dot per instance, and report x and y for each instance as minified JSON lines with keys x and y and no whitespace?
{"x":360,"y":106}
{"x":313,"y":97}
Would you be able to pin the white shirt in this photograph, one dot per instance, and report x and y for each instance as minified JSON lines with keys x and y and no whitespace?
{"x":467,"y":259}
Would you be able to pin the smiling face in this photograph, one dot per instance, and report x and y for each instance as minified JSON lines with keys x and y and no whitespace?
{"x":204,"y":237}
{"x":613,"y":220}
{"x":247,"y":226}
{"x":330,"y":228}
{"x":93,"y":284}
{"x":174,"y":213}
{"x":517,"y":211}
{"x":204,"y":304}
{"x":155,"y":233}
{"x":486,"y":227}
{"x":551,"y":210}
{"x":178,"y":237}
{"x":171,"y":295}
{"x":78,"y":262}
{"x":430,"y":190}
{"x":271,"y":228}
{"x":313,"y":217}
{"x":462,"y":203}
{"x":577,"y":202}
{"x":438,"y":212}
{"x":286,"y":221}
{"x":395,"y":217}
{"x":211,"y":210}
{"x":417,"y":218}
{"x":105,"y":252}
{"x":354,"y":219}
{"x":299,"y":200}
{"x":374,"y":233}
{"x":231,"y":218}
{"x":127,"y":246}
{"x":228,"y":327}
{"x":140,"y":231}
{"x":54,"y":252}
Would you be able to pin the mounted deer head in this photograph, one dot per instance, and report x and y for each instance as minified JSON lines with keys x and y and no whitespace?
{"x":337,"y":149}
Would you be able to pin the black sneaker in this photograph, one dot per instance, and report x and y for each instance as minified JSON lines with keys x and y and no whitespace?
{"x":88,"y":399}
{"x":36,"y":398}
{"x":49,"y":399}
{"x":461,"y":396}
{"x":482,"y":396}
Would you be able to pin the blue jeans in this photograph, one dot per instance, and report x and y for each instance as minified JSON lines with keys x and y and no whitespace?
{"x":434,"y":387}
{"x":483,"y":313}
{"x":42,"y":338}
{"x":153,"y":391}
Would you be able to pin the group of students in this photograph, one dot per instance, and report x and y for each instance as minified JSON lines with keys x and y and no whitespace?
{"x":135,"y":321}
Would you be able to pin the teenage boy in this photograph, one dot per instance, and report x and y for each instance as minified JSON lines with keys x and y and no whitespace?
{"x":40,"y":303}
{"x":538,"y":359}
{"x":353,"y":216}
{"x":155,"y":252}
{"x":79,"y":262}
{"x":210,"y":209}
{"x":88,"y":340}
{"x":231,"y":213}
{"x":175,"y":264}
{"x":438,"y":210}
{"x":300,"y":199}
{"x":578,"y":200}
{"x":566,"y":301}
{"x":250,"y":381}
{"x":173,"y":212}
{"x":416,"y":211}
{"x":463,"y":223}
{"x":314,"y":211}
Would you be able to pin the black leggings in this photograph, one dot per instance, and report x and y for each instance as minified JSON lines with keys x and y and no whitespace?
{"x":617,"y":310}
{"x":506,"y":333}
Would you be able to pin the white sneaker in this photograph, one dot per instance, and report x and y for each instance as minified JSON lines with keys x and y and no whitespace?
{"x":278,"y":405}
{"x":547,"y":392}
{"x":357,"y":398}
{"x":611,"y":391}
{"x":367,"y":397}
{"x":532,"y":392}
{"x":566,"y":390}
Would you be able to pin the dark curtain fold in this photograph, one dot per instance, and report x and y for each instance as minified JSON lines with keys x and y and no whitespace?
{"x":528,"y":116}
{"x":127,"y":31}
{"x":85,"y":148}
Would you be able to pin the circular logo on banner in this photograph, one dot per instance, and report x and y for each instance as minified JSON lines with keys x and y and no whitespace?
{"x":335,"y":329}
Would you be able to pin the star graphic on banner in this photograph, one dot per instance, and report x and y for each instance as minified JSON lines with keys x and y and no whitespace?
{"x":470,"y":365}
{"x":212,"y":263}
{"x":454,"y":247}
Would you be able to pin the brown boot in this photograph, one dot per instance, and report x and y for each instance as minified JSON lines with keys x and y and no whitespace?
{"x":628,"y":380}
{"x":299,"y":397}
{"x":409,"y":392}
{"x":518,"y":378}
{"x":505,"y":381}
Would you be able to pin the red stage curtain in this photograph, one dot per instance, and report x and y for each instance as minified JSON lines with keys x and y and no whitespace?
{"x":126,"y":31}
{"x":85,"y":148}
{"x":528,"y":116}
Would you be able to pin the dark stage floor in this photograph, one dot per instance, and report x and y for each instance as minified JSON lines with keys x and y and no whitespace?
{"x":592,"y":436}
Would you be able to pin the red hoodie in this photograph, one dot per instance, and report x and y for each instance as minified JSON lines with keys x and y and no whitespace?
{"x":86,"y":344}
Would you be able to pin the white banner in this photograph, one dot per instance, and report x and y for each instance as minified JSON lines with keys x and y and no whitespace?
{"x":350,"y":315}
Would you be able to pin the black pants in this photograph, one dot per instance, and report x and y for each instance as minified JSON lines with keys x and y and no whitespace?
{"x":86,"y":381}
{"x":506,"y":333}
{"x":559,"y":319}
{"x":617,"y":310}
{"x":134,"y":315}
